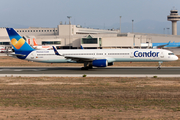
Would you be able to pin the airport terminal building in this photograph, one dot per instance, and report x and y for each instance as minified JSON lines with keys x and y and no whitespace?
{"x":74,"y":36}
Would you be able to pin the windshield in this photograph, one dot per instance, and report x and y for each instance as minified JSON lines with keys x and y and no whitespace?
{"x":170,"y":53}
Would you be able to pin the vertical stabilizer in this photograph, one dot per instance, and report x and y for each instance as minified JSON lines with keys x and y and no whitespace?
{"x":34,"y":42}
{"x":19,"y":44}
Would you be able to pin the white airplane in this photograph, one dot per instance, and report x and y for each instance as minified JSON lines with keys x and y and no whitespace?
{"x":40,"y":47}
{"x":90,"y":57}
{"x":2,"y":50}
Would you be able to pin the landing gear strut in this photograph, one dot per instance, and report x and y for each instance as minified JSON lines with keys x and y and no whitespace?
{"x":159,"y":67}
{"x":87,"y":66}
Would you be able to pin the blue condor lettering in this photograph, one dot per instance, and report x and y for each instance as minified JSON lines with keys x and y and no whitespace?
{"x":146,"y":54}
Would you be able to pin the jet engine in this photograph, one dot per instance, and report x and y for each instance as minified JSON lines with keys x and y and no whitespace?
{"x":100,"y":63}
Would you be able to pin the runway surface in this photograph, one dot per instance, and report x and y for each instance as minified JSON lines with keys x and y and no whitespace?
{"x":109,"y":71}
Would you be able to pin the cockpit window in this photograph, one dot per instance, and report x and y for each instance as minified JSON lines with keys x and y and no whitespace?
{"x":170,"y":53}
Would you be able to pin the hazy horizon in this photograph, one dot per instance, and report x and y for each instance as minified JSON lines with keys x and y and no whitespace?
{"x":103,"y":14}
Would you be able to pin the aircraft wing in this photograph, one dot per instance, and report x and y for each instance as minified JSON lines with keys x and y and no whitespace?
{"x":80,"y":59}
{"x":76,"y":58}
{"x":161,"y":46}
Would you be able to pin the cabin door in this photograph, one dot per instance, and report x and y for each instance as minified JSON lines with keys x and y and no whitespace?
{"x":132,"y":55}
{"x":161,"y":55}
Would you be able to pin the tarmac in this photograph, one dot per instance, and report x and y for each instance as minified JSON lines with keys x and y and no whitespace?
{"x":95,"y":72}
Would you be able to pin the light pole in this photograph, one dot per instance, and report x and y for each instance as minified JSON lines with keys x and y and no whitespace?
{"x":132,"y":26}
{"x":120,"y":24}
{"x":168,"y":30}
{"x":69,"y":17}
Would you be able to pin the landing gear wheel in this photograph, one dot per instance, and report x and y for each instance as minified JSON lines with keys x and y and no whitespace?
{"x":90,"y":67}
{"x":87,"y":65}
{"x":159,"y":68}
{"x":84,"y":68}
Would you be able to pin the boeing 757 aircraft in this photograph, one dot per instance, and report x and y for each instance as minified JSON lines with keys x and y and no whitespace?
{"x":90,"y":57}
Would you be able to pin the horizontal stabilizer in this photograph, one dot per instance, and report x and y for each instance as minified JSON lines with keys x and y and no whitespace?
{"x":17,"y":55}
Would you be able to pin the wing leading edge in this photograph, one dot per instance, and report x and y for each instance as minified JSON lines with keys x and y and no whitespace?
{"x":76,"y":58}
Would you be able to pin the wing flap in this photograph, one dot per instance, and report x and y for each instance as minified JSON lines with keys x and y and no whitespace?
{"x":80,"y":59}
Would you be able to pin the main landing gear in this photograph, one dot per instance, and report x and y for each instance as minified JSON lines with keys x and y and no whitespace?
{"x":159,"y":67}
{"x":87,"y":66}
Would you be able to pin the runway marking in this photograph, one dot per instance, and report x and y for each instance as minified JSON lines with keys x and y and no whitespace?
{"x":22,"y":70}
{"x":81,"y":75}
{"x":18,"y":70}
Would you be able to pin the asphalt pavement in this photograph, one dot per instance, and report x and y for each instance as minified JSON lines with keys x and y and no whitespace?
{"x":70,"y":71}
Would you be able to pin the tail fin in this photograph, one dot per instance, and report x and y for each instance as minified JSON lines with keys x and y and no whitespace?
{"x":34,"y":42}
{"x":19,"y":44}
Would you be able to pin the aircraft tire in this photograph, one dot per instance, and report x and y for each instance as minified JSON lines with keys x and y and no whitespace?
{"x":84,"y":68}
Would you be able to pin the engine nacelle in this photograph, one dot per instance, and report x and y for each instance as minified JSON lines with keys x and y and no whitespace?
{"x":100,"y":63}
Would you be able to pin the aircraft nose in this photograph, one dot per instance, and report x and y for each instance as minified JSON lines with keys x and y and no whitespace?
{"x":176,"y":58}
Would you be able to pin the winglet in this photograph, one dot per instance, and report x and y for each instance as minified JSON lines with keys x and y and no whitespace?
{"x":168,"y":42}
{"x":55,"y":51}
{"x":82,"y":47}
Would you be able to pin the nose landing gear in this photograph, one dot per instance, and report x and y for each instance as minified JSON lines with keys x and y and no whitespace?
{"x":159,"y":67}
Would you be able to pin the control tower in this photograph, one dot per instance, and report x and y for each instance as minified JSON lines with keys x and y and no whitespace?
{"x":174,"y":17}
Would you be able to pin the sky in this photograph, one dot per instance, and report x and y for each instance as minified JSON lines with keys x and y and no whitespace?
{"x":88,"y":13}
